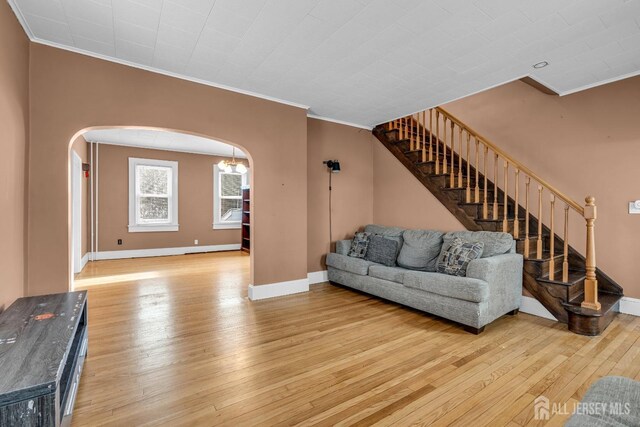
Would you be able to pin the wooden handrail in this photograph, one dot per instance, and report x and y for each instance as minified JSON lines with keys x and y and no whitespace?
{"x":572,"y":203}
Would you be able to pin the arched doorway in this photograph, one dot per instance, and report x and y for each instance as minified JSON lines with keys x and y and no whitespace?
{"x":123,"y":223}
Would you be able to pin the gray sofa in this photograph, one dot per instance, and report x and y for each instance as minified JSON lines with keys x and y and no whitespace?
{"x":492,"y":286}
{"x":610,"y":401}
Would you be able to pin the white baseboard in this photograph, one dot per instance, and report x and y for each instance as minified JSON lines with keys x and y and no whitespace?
{"x":84,"y":261}
{"x":318,"y":277}
{"x":144,"y":253}
{"x":630,"y":306}
{"x":278,"y":289}
{"x":533,"y":306}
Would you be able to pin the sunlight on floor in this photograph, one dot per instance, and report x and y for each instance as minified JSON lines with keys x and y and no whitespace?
{"x":116,"y":278}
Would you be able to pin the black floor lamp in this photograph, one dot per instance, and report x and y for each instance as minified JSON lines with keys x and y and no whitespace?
{"x":334,"y":167}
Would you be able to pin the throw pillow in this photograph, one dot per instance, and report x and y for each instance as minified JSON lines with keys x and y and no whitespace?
{"x":420,"y":249}
{"x":455,"y":256}
{"x":382,"y":250}
{"x":495,"y":243}
{"x":393,"y":233}
{"x":359,"y":245}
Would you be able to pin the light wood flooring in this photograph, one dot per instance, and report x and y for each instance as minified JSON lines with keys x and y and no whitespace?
{"x":175,"y":341}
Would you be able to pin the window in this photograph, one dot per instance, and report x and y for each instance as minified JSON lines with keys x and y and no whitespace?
{"x":227,"y":198}
{"x":153,"y":195}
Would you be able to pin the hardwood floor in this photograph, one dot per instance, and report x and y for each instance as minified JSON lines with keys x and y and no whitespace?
{"x":175,"y":341}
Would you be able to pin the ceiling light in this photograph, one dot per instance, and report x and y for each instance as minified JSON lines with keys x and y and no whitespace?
{"x":541,"y":64}
{"x":232,"y":166}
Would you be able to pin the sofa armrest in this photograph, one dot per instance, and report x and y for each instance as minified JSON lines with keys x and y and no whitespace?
{"x":496,"y":267}
{"x":503,"y":273}
{"x":343,"y":247}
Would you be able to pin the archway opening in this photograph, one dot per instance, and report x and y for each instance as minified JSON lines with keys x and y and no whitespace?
{"x":152,"y":206}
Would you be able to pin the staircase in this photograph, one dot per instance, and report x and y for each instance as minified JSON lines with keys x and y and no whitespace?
{"x":486,"y":189}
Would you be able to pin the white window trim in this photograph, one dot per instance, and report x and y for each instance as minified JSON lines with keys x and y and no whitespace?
{"x":217,"y":223}
{"x":134,"y":227}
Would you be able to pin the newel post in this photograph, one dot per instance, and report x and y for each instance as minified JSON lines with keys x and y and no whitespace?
{"x":590,"y":283}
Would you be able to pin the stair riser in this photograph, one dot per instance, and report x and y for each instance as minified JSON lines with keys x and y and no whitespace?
{"x":476,"y":211}
{"x":590,"y":326}
{"x":575,"y":290}
{"x":460,"y":194}
{"x":416,"y":156}
{"x":541,"y":268}
{"x":497,"y":226}
{"x":533,"y":241}
{"x":445,"y":182}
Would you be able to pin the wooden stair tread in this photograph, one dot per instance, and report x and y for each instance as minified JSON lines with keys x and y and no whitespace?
{"x":489,"y":190}
{"x":608,"y":301}
{"x":531,"y":238}
{"x":546,"y":256}
{"x":574,"y":278}
{"x":476,"y":203}
{"x":497,"y":220}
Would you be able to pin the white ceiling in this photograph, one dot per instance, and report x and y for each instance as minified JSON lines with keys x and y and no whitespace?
{"x":358,"y":61}
{"x":162,"y":140}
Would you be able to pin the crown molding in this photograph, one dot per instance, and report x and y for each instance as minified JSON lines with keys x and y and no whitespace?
{"x":340,"y":122}
{"x":167,"y":73}
{"x":601,"y":82}
{"x":34,"y":39}
{"x":21,"y":19}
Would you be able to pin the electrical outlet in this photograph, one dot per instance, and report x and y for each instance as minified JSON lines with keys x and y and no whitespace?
{"x":119,"y":241}
{"x":195,"y":242}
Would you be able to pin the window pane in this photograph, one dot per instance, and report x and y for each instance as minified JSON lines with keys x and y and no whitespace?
{"x":153,"y":180}
{"x":231,"y":185}
{"x":230,"y":210}
{"x":154,"y":209}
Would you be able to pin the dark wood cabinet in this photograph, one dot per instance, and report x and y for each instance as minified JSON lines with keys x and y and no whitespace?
{"x":43,"y":345}
{"x":246,"y":219}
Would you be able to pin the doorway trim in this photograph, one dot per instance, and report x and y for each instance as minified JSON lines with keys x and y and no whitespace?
{"x":76,"y":212}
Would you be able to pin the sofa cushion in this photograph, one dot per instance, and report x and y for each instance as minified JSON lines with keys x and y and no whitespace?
{"x":456,"y":256}
{"x":464,"y":288}
{"x":359,"y":245}
{"x":420,"y":249}
{"x":382,"y":250}
{"x":615,"y":401}
{"x":343,"y":246}
{"x":392,"y":274}
{"x":495,"y":243}
{"x":347,"y":263}
{"x":393,"y":233}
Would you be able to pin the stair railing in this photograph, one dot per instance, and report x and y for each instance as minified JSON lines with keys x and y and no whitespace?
{"x":432,"y":133}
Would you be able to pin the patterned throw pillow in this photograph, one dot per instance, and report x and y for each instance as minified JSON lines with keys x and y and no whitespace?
{"x":382,"y":250}
{"x":359,"y":245}
{"x":455,"y":257}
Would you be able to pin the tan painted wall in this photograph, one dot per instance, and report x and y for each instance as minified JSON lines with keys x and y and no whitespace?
{"x":399,"y":199}
{"x":352,"y":205}
{"x":74,"y":92}
{"x":80,"y":146}
{"x":584,"y":143}
{"x":195,"y":201}
{"x":14,"y":124}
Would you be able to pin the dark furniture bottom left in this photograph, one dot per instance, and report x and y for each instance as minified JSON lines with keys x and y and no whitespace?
{"x":43,"y":345}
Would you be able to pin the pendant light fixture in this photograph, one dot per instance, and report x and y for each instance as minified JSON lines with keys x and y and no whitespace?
{"x":232,"y":166}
